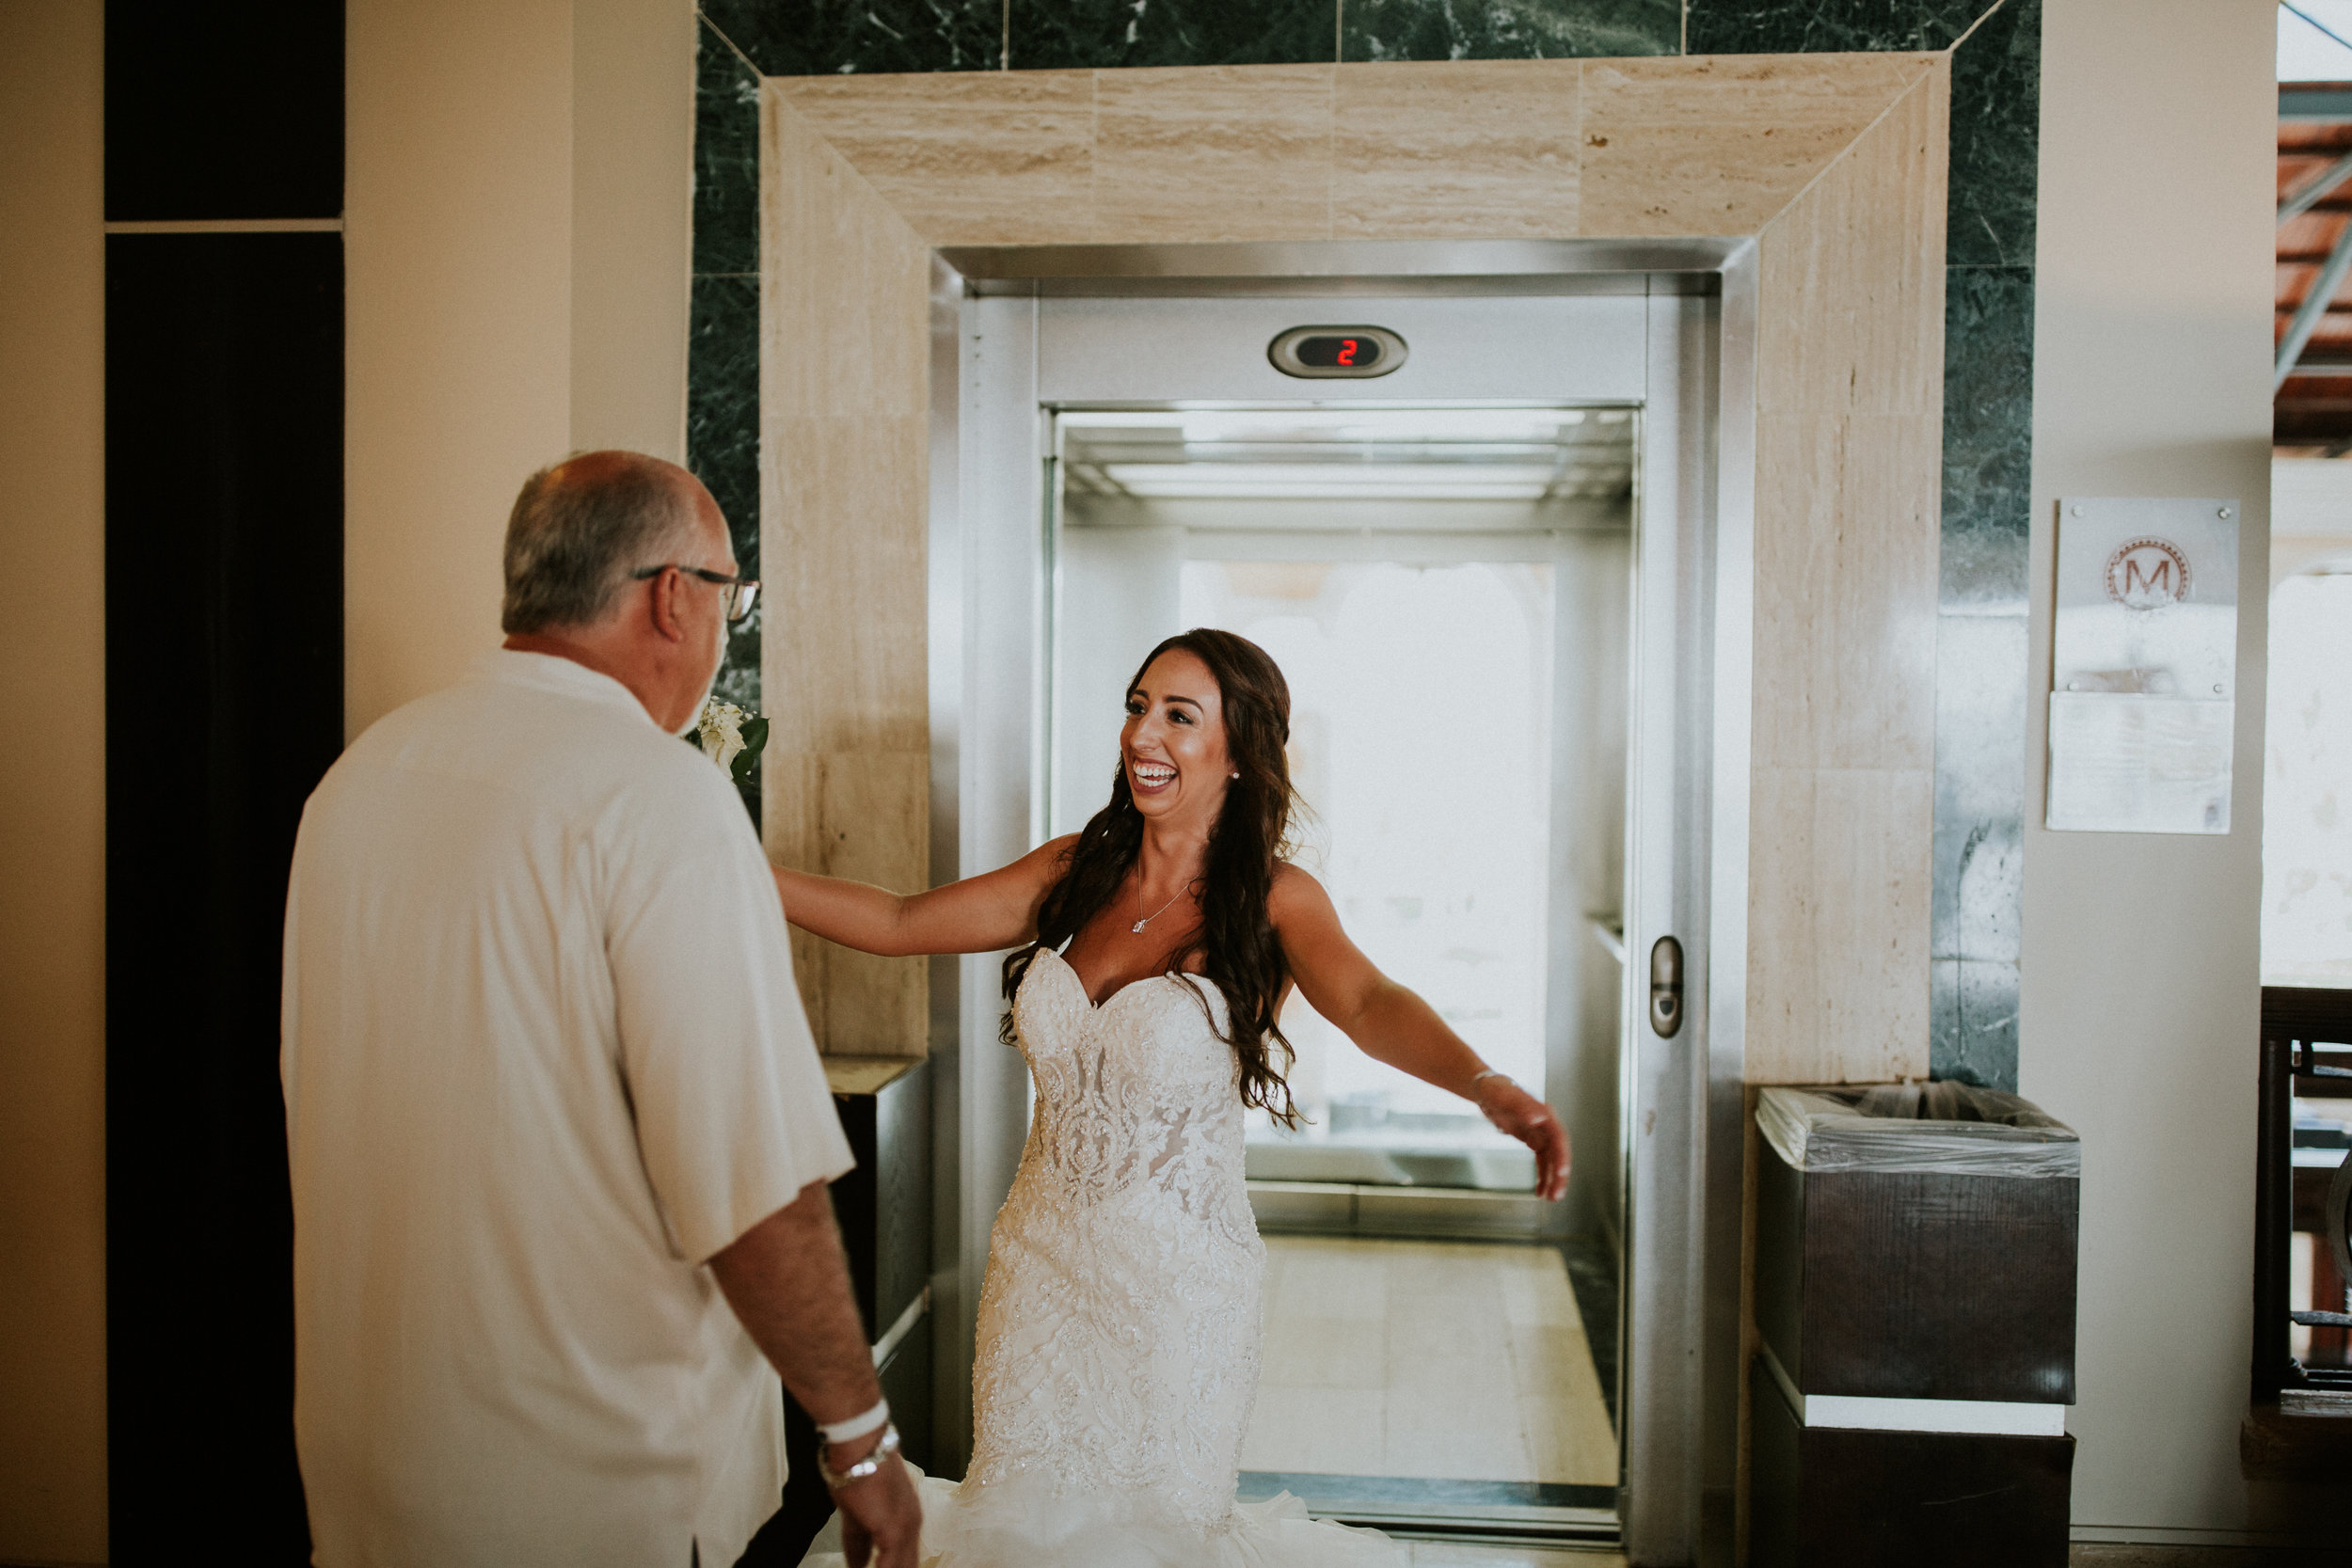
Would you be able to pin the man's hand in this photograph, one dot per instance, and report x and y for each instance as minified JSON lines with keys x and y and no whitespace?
{"x":788,"y":1282}
{"x":882,"y":1521}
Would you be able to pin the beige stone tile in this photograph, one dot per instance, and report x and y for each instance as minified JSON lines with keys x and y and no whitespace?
{"x":1536,"y":1294}
{"x":1475,"y":1386}
{"x":1849,"y":277}
{"x":1718,"y":144}
{"x":843,"y":657}
{"x":1570,"y":1443}
{"x":876,"y":812}
{"x":1333,"y":1432}
{"x":1837,"y":924}
{"x":867,"y":816}
{"x":1492,"y":1451}
{"x":1447,"y":1553}
{"x":845,"y":311}
{"x":1001,"y":158}
{"x":1553,"y":1365}
{"x":1561,"y":1410}
{"x":1325,"y":1353}
{"x":1441,"y":1323}
{"x":1455,"y":150}
{"x":1348,"y":1282}
{"x":1846,"y":560}
{"x":1212,"y":152}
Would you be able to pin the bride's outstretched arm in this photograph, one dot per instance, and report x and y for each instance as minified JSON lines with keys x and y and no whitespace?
{"x":979,"y":914}
{"x":1392,"y":1023}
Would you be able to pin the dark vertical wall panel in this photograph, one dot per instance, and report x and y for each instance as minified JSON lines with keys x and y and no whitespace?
{"x":224,"y":676}
{"x":223,"y":110}
{"x":224,"y":705}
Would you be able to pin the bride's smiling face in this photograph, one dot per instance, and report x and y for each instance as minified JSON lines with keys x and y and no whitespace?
{"x":1173,"y":745}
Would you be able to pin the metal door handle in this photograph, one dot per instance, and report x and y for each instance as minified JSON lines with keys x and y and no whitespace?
{"x":1665,"y":986}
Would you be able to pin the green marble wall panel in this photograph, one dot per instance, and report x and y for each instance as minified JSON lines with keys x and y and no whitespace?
{"x":722,"y":330}
{"x":726,"y":160}
{"x":1997,"y":141}
{"x":1827,"y":26}
{"x":1074,"y":35}
{"x":1508,"y":29}
{"x":1988,"y":438}
{"x":820,"y":37}
{"x":1981,"y":659}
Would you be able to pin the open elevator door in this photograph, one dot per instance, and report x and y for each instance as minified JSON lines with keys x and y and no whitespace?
{"x":1626,"y":352}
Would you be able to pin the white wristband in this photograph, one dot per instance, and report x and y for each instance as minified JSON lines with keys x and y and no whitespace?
{"x":856,"y":1426}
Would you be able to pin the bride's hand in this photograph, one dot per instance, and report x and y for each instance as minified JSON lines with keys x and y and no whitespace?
{"x":1530,"y":1120}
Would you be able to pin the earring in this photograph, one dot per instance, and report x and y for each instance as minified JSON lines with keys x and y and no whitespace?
{"x":1235,"y":774}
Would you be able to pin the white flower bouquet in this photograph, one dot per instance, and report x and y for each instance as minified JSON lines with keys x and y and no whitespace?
{"x":731,"y":738}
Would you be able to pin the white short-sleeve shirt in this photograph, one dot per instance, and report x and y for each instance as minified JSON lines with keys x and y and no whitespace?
{"x":543,"y":1056}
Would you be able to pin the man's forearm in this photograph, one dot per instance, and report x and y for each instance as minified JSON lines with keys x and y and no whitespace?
{"x":788,"y":1282}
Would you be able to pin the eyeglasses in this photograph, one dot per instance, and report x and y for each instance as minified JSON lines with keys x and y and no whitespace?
{"x":741,"y":592}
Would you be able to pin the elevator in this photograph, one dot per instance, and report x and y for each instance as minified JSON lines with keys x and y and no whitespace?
{"x":1489,"y":565}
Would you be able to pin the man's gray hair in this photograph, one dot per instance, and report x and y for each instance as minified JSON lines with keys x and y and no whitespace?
{"x":574,"y":539}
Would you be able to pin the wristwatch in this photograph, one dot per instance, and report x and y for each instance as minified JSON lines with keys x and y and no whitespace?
{"x":871,"y":1464}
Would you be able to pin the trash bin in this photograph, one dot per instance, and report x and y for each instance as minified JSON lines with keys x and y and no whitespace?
{"x":1914,"y":1300}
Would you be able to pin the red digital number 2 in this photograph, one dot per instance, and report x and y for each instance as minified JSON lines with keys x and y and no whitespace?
{"x":1347,"y":351}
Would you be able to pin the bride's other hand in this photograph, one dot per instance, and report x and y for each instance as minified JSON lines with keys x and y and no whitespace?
{"x":1390,"y":1023}
{"x":1530,"y":1120}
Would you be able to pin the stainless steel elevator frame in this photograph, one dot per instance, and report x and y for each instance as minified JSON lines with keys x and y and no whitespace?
{"x":1687,"y":802}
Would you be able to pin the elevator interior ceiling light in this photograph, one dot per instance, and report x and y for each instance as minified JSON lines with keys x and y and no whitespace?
{"x":1471,"y":455}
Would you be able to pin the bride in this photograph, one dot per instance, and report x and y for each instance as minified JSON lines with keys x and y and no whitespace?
{"x":1119,"y":1326}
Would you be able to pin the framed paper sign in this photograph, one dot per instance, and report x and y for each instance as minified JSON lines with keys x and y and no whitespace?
{"x":2144,"y":666}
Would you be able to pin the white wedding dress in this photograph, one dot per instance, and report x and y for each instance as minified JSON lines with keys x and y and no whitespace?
{"x":1118,"y":1329}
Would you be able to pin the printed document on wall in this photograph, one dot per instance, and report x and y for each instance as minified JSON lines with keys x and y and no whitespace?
{"x":2144,"y":665}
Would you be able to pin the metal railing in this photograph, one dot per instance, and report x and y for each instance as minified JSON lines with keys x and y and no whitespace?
{"x":2307,"y":1051}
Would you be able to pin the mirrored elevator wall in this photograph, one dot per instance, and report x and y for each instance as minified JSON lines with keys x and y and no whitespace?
{"x":1448,"y":593}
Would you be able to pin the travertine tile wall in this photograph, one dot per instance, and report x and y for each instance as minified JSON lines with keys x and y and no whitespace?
{"x":846,"y":398}
{"x":1850,"y":379}
{"x":1553,"y":149}
{"x":1837,"y":161}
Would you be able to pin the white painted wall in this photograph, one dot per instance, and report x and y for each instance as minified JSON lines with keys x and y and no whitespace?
{"x":518,"y":253}
{"x":2141,"y":996}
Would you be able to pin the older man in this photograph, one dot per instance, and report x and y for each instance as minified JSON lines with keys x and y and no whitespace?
{"x":560,"y":1136}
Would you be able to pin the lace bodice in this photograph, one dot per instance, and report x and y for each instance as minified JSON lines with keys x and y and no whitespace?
{"x":1120,"y":1323}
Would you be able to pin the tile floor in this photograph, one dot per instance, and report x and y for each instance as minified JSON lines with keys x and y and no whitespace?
{"x":1438,"y":1554}
{"x":1433,"y":1359}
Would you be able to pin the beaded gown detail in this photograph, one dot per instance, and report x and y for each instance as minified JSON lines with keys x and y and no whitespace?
{"x":1120,"y":1326}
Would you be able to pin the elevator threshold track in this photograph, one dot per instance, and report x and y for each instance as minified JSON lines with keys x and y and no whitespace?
{"x":1482,"y":1513}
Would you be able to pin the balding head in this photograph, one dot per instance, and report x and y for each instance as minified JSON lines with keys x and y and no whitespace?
{"x":580,"y":528}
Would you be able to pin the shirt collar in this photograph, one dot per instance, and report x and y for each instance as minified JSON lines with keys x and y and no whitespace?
{"x":553,"y":673}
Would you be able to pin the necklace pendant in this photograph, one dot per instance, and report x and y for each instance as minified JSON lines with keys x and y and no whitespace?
{"x":1140,"y":924}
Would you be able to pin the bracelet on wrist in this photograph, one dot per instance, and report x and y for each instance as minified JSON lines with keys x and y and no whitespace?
{"x":871,"y":1465}
{"x":856,"y":1426}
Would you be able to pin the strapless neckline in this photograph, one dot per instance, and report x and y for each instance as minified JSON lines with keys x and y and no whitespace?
{"x":1176,"y":976}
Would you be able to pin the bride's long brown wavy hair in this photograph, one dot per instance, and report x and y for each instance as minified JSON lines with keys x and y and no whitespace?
{"x":1239,"y":952}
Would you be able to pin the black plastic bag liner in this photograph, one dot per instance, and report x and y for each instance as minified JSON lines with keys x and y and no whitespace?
{"x":1917,"y":1128}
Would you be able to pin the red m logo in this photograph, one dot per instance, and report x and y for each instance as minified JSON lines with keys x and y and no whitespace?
{"x":2158,"y":580}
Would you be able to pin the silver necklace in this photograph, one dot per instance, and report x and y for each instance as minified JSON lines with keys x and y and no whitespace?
{"x":1161,"y":910}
